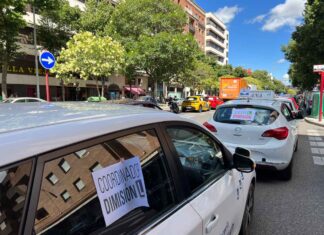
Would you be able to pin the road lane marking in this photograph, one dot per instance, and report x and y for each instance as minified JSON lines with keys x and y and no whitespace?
{"x":313,"y":138}
{"x":317,"y":151}
{"x":318,"y":160}
{"x":316,"y":144}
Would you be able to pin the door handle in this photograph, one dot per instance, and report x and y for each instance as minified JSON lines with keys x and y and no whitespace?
{"x":212,"y":223}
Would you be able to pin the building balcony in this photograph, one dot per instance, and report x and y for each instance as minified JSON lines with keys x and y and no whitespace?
{"x":215,"y":41}
{"x":214,"y":51}
{"x":192,"y":29}
{"x":215,"y":30}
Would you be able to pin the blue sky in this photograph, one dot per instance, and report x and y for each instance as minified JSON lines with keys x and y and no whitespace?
{"x":258,"y":29}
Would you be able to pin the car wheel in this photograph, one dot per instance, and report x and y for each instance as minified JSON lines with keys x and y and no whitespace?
{"x":287,"y":173}
{"x":200,"y":109}
{"x":296,"y":147}
{"x":183,"y":110}
{"x":248,"y":212}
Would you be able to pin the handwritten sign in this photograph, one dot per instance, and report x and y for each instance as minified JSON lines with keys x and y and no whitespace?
{"x":120,"y":188}
{"x":243,"y":114}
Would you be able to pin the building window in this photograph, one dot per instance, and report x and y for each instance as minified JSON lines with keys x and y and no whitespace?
{"x":52,"y":178}
{"x":82,"y":153}
{"x":95,"y":167}
{"x":65,"y":195}
{"x":41,"y":213}
{"x":64,"y":165}
{"x":79,"y":184}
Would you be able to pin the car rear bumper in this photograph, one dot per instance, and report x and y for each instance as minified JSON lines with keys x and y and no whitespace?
{"x":267,"y":156}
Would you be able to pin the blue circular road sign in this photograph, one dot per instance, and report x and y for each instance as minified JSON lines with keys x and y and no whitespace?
{"x":47,"y":60}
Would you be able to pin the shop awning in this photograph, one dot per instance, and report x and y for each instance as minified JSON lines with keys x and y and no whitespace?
{"x":135,"y":90}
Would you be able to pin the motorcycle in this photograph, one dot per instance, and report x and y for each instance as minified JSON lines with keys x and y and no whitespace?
{"x":174,"y":107}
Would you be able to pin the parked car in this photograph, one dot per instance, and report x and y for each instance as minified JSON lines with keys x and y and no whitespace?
{"x":266,"y":127}
{"x":195,"y":103}
{"x":214,"y":101}
{"x":147,"y":98}
{"x":145,"y":104}
{"x":23,"y":100}
{"x":94,"y":168}
{"x":292,"y":105}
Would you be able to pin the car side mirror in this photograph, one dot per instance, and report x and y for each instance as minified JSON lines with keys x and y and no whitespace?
{"x":242,"y":161}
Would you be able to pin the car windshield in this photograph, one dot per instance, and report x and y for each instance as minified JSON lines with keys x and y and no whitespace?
{"x":191,"y":98}
{"x":246,"y":115}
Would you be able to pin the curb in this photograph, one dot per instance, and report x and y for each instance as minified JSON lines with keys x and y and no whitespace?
{"x":313,"y":122}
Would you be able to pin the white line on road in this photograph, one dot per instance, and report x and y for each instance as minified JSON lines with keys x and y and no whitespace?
{"x":318,"y":160}
{"x":316,"y":144}
{"x":317,"y":151}
{"x":313,"y":138}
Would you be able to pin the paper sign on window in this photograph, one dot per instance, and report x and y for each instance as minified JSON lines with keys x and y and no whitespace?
{"x":120,"y":188}
{"x":243,"y":114}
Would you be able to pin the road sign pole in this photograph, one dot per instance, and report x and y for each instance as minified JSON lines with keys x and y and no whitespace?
{"x":47,"y":87}
{"x":321,"y":98}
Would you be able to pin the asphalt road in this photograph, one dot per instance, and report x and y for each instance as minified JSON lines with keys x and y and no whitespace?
{"x":296,"y":206}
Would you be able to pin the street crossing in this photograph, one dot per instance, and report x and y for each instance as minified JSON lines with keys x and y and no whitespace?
{"x":317,"y":145}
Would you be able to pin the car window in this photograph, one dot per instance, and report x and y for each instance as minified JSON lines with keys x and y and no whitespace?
{"x":20,"y":101}
{"x":289,"y":104}
{"x":246,"y":115}
{"x":68,"y":202}
{"x":191,"y":98}
{"x":285,"y":111}
{"x":13,"y":193}
{"x":200,"y":156}
{"x":32,"y":100}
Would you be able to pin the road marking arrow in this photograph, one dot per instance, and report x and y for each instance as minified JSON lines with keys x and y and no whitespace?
{"x":48,"y":60}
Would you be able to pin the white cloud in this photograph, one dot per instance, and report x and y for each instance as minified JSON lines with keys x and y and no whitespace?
{"x":257,"y":19}
{"x":289,"y":13}
{"x":286,"y":79}
{"x":227,"y":14}
{"x":281,"y":61}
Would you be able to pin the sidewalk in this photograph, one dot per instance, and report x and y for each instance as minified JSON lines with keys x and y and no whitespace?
{"x":314,"y":121}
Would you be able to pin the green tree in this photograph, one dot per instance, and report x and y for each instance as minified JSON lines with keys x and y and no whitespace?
{"x":307,"y":46}
{"x":134,"y":18}
{"x":90,"y":57}
{"x":261,"y":75}
{"x":11,"y":22}
{"x":57,"y":25}
{"x":135,"y":22}
{"x":240,"y":72}
{"x":96,"y":16}
{"x":163,"y":56}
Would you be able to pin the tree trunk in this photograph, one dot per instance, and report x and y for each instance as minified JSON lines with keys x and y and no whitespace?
{"x":103,"y":86}
{"x":155,"y":88}
{"x":97,"y":85}
{"x":4,"y":79}
{"x":63,"y":90}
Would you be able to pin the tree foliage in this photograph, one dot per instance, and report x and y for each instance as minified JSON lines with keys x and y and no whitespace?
{"x":96,"y":16}
{"x":135,"y":18}
{"x":89,"y":56}
{"x":307,"y":46}
{"x":57,"y":25}
{"x":11,"y":21}
{"x":164,"y":55}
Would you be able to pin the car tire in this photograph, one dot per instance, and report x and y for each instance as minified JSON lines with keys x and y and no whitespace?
{"x":286,"y":174}
{"x":296,"y":147}
{"x":200,"y":109}
{"x":183,"y":110}
{"x":248,"y":212}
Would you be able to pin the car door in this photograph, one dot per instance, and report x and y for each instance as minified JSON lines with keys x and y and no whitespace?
{"x":215,"y":192}
{"x":291,"y":121}
{"x":66,"y":199}
{"x":204,"y":103}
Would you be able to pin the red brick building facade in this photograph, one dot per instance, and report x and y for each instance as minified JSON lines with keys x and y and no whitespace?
{"x":196,"y":20}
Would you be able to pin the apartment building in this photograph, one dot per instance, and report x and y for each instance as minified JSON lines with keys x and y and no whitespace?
{"x":217,"y":39}
{"x":196,"y":20}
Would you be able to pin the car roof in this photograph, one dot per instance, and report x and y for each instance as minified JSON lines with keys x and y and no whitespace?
{"x":255,"y":102}
{"x":30,"y":129}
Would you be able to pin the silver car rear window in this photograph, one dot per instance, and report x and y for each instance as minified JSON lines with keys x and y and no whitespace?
{"x":246,"y":115}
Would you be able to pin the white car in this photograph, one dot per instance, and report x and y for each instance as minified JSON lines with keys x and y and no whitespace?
{"x":114,"y":169}
{"x":23,"y":100}
{"x":265,"y":127}
{"x":296,"y":113}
